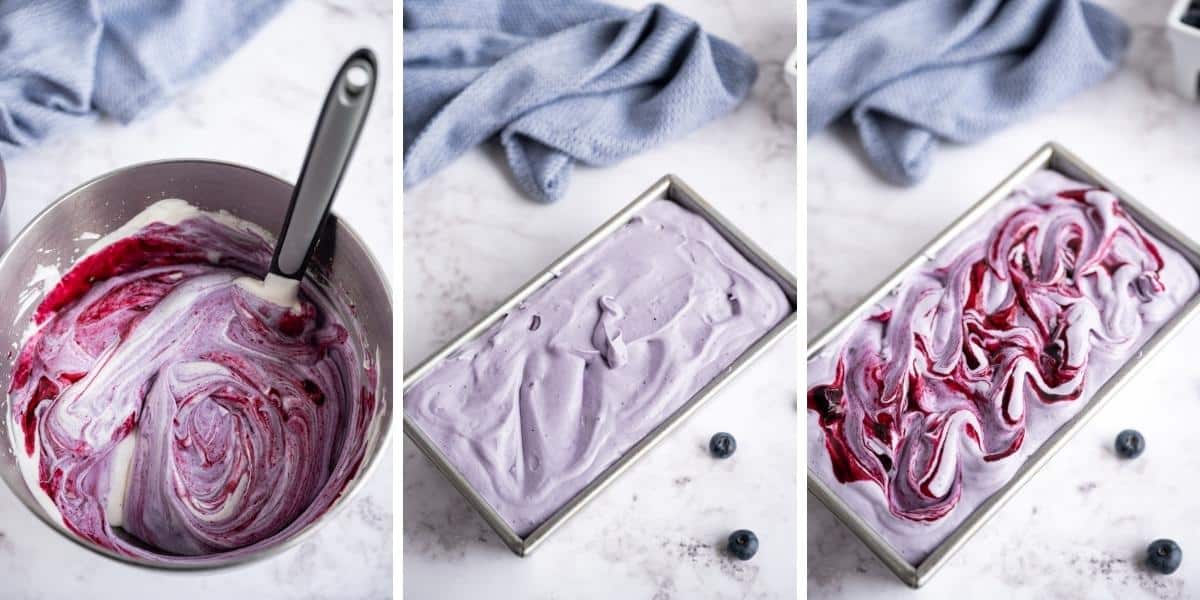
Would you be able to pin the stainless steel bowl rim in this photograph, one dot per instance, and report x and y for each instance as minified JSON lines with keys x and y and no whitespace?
{"x":364,"y":472}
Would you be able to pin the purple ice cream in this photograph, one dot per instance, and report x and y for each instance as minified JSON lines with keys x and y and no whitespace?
{"x":945,"y":387}
{"x":164,"y":411}
{"x":535,"y":408}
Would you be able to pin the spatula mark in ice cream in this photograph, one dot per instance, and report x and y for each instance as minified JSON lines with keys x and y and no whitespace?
{"x":607,"y":335}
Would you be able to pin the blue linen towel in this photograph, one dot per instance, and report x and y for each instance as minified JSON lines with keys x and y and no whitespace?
{"x":64,"y":61}
{"x":912,"y":72}
{"x":560,"y":81}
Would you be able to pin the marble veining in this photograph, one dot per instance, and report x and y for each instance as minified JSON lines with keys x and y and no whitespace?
{"x":471,"y":238}
{"x":1079,"y":529}
{"x":257,"y":110}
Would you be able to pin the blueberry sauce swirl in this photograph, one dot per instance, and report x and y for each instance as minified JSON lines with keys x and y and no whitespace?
{"x":947,"y":385}
{"x":167,"y":411}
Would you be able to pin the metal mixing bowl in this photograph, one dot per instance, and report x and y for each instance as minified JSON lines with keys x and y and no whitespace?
{"x":102,"y":204}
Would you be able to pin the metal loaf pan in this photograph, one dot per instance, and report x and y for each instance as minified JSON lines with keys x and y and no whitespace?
{"x":668,"y":187}
{"x":1051,"y":156}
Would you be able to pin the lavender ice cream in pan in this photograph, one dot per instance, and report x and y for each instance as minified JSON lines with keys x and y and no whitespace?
{"x":946,"y":386}
{"x":538,"y":406}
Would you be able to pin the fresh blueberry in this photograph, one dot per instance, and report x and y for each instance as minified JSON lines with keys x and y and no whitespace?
{"x":1163,"y":556}
{"x":722,"y":445}
{"x":1130,"y":444}
{"x":743,"y":545}
{"x":1191,"y":16}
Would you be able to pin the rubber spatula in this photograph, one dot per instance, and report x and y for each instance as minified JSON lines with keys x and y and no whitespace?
{"x":329,"y":150}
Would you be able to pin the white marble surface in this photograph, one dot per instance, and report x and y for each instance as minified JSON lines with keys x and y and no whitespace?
{"x":257,"y":109}
{"x":1080,"y":528}
{"x":470,"y":239}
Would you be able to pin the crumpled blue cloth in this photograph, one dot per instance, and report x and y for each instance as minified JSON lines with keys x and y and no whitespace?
{"x":560,"y":81}
{"x":65,"y":61}
{"x":912,"y":72}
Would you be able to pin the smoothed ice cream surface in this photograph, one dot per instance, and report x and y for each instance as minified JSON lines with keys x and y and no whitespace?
{"x":933,"y":401}
{"x":162,"y":409}
{"x":537,"y":406}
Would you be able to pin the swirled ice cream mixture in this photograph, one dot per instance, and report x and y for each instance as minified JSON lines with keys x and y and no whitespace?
{"x":934,"y":400}
{"x":532,"y":410}
{"x":163,"y":410}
